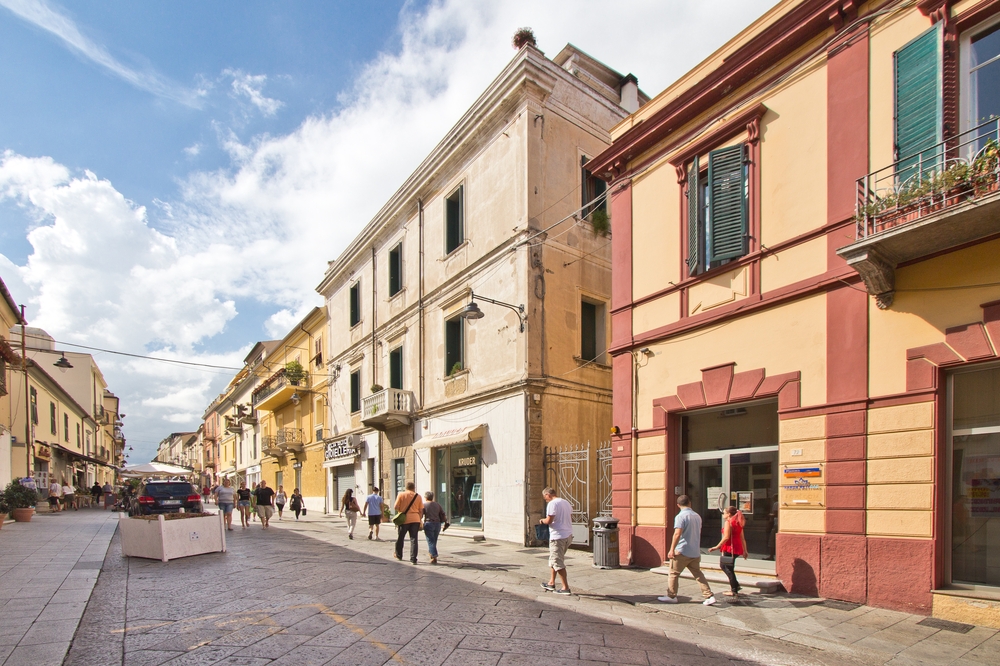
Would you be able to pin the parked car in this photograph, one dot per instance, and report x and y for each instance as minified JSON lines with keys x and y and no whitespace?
{"x":165,"y":497}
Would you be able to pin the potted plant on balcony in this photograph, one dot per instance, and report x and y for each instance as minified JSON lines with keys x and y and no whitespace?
{"x":20,"y":501}
{"x":294,"y":372}
{"x":984,"y":168}
{"x":376,"y":388}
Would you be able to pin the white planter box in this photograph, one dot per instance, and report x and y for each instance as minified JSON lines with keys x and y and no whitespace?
{"x":169,"y":539}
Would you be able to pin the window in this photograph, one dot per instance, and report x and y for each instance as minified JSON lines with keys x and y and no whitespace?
{"x":279,"y":479}
{"x":396,"y":270}
{"x":454,"y":213}
{"x":356,"y":391}
{"x":981,"y":78}
{"x":918,"y":111}
{"x":52,"y":418}
{"x":66,"y":427}
{"x":590,"y":189}
{"x":78,"y":434}
{"x":396,"y":368}
{"x":454,"y":343}
{"x":717,"y":209}
{"x":34,"y":405}
{"x":356,"y":303}
{"x":592,"y":338}
{"x":318,"y":351}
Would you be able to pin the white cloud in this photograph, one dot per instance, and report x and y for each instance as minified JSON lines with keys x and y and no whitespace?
{"x":193,"y":150}
{"x":264,"y":228}
{"x":48,"y":18}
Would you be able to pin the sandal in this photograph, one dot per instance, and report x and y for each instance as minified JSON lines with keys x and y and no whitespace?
{"x":730,"y":594}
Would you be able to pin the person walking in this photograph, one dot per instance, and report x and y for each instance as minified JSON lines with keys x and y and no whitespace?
{"x":205,"y":491}
{"x":558,"y":516}
{"x":109,"y":495}
{"x":224,"y":499}
{"x":280,"y":499}
{"x":296,"y":503}
{"x":732,"y":545}
{"x":373,"y":509}
{"x":265,"y":504}
{"x":243,"y":496}
{"x":350,"y":505}
{"x":409,"y":503}
{"x":434,"y":517}
{"x":96,"y":493}
{"x":69,"y":496}
{"x":685,"y":553}
{"x":55,"y":493}
{"x":253,"y":502}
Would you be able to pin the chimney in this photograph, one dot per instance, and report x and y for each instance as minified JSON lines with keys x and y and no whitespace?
{"x":629,"y":91}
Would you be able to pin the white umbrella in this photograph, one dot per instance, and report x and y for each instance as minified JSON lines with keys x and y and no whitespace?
{"x":155,"y":469}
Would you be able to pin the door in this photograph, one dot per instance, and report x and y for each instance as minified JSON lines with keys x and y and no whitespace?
{"x":345,"y":480}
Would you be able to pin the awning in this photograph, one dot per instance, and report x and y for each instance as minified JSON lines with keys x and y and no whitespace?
{"x":449,"y":437}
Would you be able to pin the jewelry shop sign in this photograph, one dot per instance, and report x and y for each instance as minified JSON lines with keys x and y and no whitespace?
{"x":341,"y":448}
{"x":802,"y":485}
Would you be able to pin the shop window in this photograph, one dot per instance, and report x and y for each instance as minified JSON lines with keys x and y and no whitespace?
{"x":592,"y":331}
{"x":591,"y":188}
{"x":355,"y":303}
{"x":396,"y":368}
{"x":454,"y":346}
{"x":458,"y":483}
{"x":66,"y":427}
{"x":717,"y":209}
{"x":396,"y":270}
{"x":356,"y":391}
{"x":454,"y":213}
{"x":52,"y":418}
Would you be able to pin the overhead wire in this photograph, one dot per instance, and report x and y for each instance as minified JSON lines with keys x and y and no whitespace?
{"x":131,"y":355}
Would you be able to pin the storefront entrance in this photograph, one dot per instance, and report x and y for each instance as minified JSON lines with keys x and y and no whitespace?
{"x":731,"y":459}
{"x":975,"y":477}
{"x":458,"y":482}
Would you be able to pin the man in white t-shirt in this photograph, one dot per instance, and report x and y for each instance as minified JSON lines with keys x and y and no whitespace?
{"x":558,"y":516}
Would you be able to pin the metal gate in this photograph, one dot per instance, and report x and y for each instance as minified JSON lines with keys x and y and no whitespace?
{"x":604,"y":480}
{"x":568,"y":471}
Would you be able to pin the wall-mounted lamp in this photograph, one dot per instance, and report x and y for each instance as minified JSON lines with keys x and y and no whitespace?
{"x":646,"y":351}
{"x":472,"y":311}
{"x":295,"y":399}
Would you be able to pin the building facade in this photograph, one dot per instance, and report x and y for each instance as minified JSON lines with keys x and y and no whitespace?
{"x":10,"y":316}
{"x":805,"y":317}
{"x":468,"y":321}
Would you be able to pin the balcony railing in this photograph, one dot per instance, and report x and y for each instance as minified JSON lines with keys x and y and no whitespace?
{"x":290,"y":439}
{"x":935,"y":200}
{"x":389,"y":408}
{"x":269,"y":445}
{"x":277,"y":390}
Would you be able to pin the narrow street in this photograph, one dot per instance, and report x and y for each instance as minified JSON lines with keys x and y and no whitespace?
{"x":303,"y":594}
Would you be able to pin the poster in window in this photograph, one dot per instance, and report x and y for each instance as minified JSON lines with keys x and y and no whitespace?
{"x":477,"y":493}
{"x":716,"y":498}
{"x":981,"y":477}
{"x":745,"y":502}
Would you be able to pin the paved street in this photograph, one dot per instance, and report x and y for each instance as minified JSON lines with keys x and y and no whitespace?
{"x":303,"y":594}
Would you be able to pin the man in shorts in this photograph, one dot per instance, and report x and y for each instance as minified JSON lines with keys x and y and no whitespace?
{"x":265,"y":503}
{"x":55,"y":495}
{"x":373,"y":509}
{"x":558,"y":515}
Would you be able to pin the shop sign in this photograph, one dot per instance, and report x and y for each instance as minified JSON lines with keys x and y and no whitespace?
{"x":43,"y":452}
{"x":802,"y":486}
{"x":297,"y":465}
{"x":467,"y":462}
{"x":342,"y":448}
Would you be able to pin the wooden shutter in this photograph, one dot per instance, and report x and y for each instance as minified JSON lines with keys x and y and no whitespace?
{"x":727,"y":207}
{"x":694,"y":229}
{"x":918,"y":96}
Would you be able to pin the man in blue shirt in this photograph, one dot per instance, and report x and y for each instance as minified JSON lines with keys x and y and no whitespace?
{"x":685,"y":552}
{"x":373,"y":509}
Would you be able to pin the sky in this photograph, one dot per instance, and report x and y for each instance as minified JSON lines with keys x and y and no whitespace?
{"x":160,"y":160}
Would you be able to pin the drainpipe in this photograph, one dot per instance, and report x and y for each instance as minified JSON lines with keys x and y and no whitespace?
{"x":635,"y":444}
{"x":28,"y":444}
{"x":374,"y":341}
{"x":420,"y":300}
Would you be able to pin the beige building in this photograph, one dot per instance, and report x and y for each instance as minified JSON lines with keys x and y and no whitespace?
{"x":468,"y":321}
{"x":11,"y":383}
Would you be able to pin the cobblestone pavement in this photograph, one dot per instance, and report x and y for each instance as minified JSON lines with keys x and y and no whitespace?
{"x":48,"y":568}
{"x":302,"y":595}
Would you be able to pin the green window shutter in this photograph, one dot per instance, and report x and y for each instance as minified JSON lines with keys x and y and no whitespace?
{"x":694,"y":231}
{"x":727,"y":208}
{"x":917,"y":68}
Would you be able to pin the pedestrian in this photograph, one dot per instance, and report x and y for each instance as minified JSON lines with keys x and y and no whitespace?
{"x":685,"y":553}
{"x":296,"y":503}
{"x":96,"y":493}
{"x":205,"y":490}
{"x":224,"y":499}
{"x":409,"y":503}
{"x":434,"y":518}
{"x":243,"y":496}
{"x":732,"y":545}
{"x":69,"y":496}
{"x":109,"y":495}
{"x":280,"y":499}
{"x":350,"y":505}
{"x":558,"y":516}
{"x":55,"y":493}
{"x":373,"y":509}
{"x":265,"y":504}
{"x":253,"y":502}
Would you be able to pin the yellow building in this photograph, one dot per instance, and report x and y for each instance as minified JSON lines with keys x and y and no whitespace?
{"x":805,"y":313}
{"x":10,"y":360}
{"x":290,"y":401}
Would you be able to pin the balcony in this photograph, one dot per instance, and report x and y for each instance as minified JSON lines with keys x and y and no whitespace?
{"x":387,"y":409}
{"x":939,"y":199}
{"x":289,"y":439}
{"x":269,"y":446}
{"x":276,"y":391}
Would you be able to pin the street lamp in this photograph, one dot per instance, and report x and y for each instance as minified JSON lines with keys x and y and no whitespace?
{"x":472,"y":311}
{"x":63,"y":363}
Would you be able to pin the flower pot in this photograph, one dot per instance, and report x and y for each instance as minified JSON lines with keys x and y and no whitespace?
{"x":22,"y":515}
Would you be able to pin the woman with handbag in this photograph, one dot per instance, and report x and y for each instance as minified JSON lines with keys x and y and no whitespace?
{"x":732,"y":545}
{"x":296,"y":503}
{"x":434,"y":518}
{"x":350,"y":505}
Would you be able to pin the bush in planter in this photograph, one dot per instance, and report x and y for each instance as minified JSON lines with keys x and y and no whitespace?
{"x":294,"y":372}
{"x":16,"y":496}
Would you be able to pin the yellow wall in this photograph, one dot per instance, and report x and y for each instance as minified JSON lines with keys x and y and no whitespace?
{"x":656,"y":198}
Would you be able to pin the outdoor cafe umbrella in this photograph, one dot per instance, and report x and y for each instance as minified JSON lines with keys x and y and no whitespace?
{"x":155,"y":469}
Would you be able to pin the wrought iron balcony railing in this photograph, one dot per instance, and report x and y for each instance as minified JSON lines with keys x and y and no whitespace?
{"x":290,"y":438}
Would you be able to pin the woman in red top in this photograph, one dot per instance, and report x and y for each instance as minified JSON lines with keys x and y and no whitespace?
{"x":732,"y":545}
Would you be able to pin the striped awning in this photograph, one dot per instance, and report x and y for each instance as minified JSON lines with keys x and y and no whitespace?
{"x":450,"y":437}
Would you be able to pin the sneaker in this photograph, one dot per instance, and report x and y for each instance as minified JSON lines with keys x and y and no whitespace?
{"x":563,"y":591}
{"x":708,"y":602}
{"x":369,"y":536}
{"x":667,"y":600}
{"x":548,"y":588}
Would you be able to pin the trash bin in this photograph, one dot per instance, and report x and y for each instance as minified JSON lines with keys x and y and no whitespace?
{"x":606,"y":543}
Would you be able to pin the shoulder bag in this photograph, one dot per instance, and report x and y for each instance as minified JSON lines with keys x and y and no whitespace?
{"x":400,"y":518}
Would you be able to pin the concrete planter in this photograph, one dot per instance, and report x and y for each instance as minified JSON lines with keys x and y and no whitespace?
{"x":165,"y":540}
{"x":22,"y":515}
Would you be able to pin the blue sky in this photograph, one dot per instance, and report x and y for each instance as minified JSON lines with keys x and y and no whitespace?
{"x":159,"y":160}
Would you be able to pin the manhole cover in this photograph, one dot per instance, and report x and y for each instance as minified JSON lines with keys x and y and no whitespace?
{"x":839,"y":605}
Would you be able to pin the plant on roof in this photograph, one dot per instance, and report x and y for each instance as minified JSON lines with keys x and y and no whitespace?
{"x":523,"y":36}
